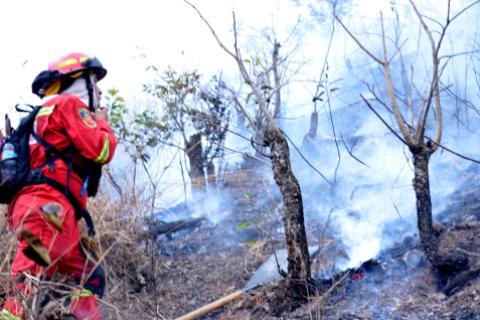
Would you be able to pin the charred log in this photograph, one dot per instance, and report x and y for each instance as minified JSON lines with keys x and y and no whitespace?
{"x":292,"y":212}
{"x":158,"y":228}
{"x":462,"y":279}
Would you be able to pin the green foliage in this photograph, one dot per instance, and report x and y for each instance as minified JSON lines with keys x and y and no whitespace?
{"x":244,"y":225}
{"x":184,"y":107}
{"x":189,"y":107}
{"x":177,"y":93}
{"x":263,"y":75}
{"x":118,"y":111}
{"x":251,"y":243}
{"x":136,"y":131}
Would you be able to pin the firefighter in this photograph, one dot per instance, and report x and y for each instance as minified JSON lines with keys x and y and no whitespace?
{"x":44,"y":215}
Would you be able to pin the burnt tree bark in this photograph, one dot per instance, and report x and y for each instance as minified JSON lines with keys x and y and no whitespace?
{"x":292,"y":211}
{"x":298,"y":256}
{"x":211,"y":177}
{"x":421,"y":184}
{"x":447,"y":262}
{"x":312,"y":132}
{"x":195,"y":158}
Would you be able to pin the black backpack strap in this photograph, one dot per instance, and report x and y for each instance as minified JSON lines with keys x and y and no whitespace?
{"x":50,"y":151}
{"x":36,"y":177}
{"x":53,"y":154}
{"x":85,"y":214}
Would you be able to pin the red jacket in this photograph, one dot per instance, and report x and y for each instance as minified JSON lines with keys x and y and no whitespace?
{"x":63,"y":122}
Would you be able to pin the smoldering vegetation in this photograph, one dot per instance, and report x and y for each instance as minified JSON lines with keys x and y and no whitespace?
{"x":170,"y":250}
{"x":180,"y":258}
{"x":370,"y":264}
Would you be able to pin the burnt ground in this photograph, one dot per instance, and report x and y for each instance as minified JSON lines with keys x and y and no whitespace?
{"x":199,"y":264}
{"x":212,"y":249}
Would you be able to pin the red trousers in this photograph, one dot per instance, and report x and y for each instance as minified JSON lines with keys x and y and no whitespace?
{"x":26,"y":213}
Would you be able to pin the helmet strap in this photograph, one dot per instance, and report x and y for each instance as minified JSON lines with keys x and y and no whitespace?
{"x":88,"y":81}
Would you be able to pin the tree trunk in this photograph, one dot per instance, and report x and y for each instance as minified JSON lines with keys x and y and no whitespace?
{"x":258,"y":144}
{"x":195,"y":158}
{"x":446,"y":262}
{"x":211,"y":177}
{"x":312,"y":133}
{"x":421,"y":185}
{"x":292,"y":212}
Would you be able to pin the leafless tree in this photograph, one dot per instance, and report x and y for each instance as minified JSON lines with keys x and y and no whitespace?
{"x":412,"y":110}
{"x":274,"y":139}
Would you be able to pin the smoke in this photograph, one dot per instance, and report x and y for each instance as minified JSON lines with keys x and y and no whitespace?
{"x":368,"y":199}
{"x":371,"y":197}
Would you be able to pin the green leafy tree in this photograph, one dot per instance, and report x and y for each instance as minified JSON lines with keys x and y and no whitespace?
{"x":195,"y":113}
{"x":138,"y":131}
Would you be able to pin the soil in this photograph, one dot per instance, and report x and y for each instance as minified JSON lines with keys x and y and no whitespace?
{"x":165,"y":276}
{"x":201,"y":265}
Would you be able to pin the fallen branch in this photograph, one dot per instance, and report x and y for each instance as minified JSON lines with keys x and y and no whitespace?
{"x":327,"y":293}
{"x":158,"y":228}
{"x":462,"y":279}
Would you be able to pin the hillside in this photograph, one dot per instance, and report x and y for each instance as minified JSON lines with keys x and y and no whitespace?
{"x":166,"y":275}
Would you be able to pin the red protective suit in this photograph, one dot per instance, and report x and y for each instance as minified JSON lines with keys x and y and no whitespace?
{"x":63,"y":122}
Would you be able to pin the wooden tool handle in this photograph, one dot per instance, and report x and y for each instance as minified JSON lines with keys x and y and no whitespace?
{"x":212,"y":306}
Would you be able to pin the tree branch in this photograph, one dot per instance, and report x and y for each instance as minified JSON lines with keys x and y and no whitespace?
{"x":368,"y":52}
{"x":277,"y":105}
{"x":426,"y":137}
{"x":434,"y":88}
{"x":383,"y":121}
{"x":464,"y":9}
{"x":351,"y":154}
{"x":407,"y":136}
{"x":306,"y":161}
{"x":220,"y":43}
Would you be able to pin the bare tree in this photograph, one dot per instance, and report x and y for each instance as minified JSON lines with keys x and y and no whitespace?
{"x":412,"y":111}
{"x":268,"y":68}
{"x":274,"y":139}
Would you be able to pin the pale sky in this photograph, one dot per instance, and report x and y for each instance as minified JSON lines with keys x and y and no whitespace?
{"x":169,"y":32}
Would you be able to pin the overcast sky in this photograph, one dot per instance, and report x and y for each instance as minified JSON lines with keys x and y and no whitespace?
{"x":168,"y":32}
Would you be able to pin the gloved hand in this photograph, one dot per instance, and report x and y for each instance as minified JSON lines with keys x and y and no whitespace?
{"x":101,"y":114}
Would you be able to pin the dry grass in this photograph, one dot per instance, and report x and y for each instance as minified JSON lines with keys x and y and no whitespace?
{"x":118,"y":232}
{"x":141,"y":282}
{"x":8,"y":243}
{"x":166,"y":278}
{"x":119,"y":229}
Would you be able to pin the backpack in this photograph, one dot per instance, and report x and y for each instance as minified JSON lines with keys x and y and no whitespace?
{"x":15,"y":168}
{"x":16,"y":173}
